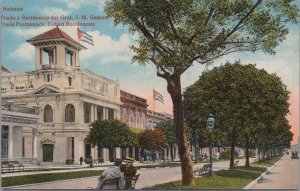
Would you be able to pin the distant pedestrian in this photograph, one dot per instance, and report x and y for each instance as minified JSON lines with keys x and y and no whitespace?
{"x":81,"y":160}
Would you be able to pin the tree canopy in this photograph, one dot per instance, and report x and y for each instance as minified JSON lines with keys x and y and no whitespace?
{"x":152,"y":139}
{"x":243,"y":99}
{"x":175,"y":34}
{"x":108,"y":133}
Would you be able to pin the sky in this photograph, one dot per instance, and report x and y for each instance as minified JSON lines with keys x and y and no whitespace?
{"x":111,"y":56}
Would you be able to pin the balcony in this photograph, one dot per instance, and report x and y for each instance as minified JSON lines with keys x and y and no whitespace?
{"x":20,"y":109}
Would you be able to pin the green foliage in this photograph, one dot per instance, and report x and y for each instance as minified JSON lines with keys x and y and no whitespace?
{"x":176,"y":33}
{"x":225,"y":154}
{"x":237,"y":178}
{"x":173,"y":35}
{"x":108,"y":133}
{"x":168,"y":128}
{"x":244,"y":100}
{"x":47,"y":177}
{"x":88,"y":160}
{"x":70,"y":161}
{"x":101,"y":160}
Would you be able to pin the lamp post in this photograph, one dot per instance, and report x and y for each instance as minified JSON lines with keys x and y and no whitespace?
{"x":210,"y":126}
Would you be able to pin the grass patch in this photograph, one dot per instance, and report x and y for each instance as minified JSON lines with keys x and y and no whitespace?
{"x":47,"y":177}
{"x":268,"y":162}
{"x":237,"y":178}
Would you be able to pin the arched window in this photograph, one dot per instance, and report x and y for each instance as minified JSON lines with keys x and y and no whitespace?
{"x":137,"y":119}
{"x":70,"y":113}
{"x":48,"y":114}
{"x":131,"y":118}
{"x":124,"y":114}
{"x":143,"y":120}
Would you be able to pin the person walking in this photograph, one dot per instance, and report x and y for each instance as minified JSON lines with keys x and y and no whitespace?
{"x":81,"y":160}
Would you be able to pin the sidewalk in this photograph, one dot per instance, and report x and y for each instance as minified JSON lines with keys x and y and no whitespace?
{"x":148,"y":177}
{"x":283,"y":175}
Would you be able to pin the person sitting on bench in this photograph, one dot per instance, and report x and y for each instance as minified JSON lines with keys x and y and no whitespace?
{"x":112,"y":173}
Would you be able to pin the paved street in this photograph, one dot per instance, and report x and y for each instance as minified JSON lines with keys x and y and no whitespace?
{"x":147,"y":178}
{"x":285,"y":175}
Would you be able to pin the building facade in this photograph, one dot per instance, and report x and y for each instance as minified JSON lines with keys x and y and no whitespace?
{"x":134,"y":114}
{"x":69,"y":99}
{"x":15,"y":120}
{"x":133,"y":110}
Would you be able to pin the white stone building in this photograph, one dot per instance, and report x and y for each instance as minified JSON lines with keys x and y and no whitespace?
{"x":69,"y":99}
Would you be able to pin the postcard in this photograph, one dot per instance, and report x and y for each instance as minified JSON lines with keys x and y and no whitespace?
{"x":157,"y":95}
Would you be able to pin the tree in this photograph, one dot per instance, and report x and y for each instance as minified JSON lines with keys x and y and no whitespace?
{"x":106,"y":133}
{"x":152,"y":139}
{"x":168,"y":128}
{"x":242,"y":98}
{"x":175,"y":34}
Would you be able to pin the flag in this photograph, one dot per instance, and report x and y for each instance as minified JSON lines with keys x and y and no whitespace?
{"x":157,"y":96}
{"x":85,"y":37}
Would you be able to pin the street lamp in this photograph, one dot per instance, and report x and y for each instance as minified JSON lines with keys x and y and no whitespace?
{"x":210,"y":126}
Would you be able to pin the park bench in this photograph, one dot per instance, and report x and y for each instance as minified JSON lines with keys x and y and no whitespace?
{"x":115,"y":183}
{"x":11,"y":166}
{"x":18,"y":166}
{"x":132,"y":180}
{"x":111,"y":184}
{"x":204,"y":170}
{"x":6,"y":166}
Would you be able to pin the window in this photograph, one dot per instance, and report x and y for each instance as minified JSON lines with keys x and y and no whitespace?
{"x":70,"y":113}
{"x":48,"y":55}
{"x":124,"y":114}
{"x":99,"y":113}
{"x":110,"y":113}
{"x":48,"y":77}
{"x":131,"y":118}
{"x":69,"y":57}
{"x":70,"y":81}
{"x":137,"y":119}
{"x":48,"y":114}
{"x":143,"y":120}
{"x":87,"y":112}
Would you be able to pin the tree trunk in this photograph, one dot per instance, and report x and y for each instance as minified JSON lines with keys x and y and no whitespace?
{"x":247,"y":152}
{"x":232,"y":148}
{"x":247,"y":158}
{"x":174,"y":89}
{"x":172,"y":153}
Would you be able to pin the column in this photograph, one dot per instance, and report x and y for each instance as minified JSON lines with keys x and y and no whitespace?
{"x":34,"y":143}
{"x":95,"y":112}
{"x":10,"y":141}
{"x":103,"y":113}
{"x":92,"y":113}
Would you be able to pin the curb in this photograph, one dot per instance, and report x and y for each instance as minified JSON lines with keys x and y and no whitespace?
{"x":260,"y":178}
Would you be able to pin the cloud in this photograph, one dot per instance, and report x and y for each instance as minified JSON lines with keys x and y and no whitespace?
{"x":24,"y":52}
{"x":108,"y":50}
{"x":76,"y":4}
{"x":51,"y":11}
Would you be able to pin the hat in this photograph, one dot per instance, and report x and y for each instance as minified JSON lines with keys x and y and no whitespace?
{"x":128,"y":159}
{"x":118,"y":162}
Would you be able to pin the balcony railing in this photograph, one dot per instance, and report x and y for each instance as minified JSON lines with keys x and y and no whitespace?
{"x":20,"y":109}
